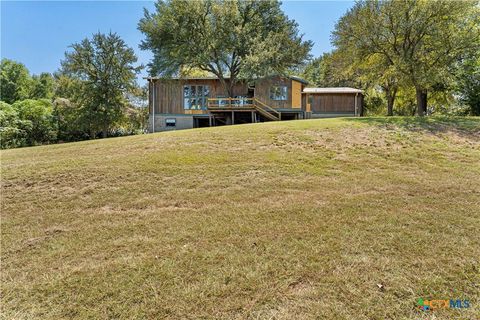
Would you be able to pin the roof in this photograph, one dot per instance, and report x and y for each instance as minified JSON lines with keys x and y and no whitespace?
{"x":180,"y":78}
{"x":332,"y":90}
{"x":298,"y":79}
{"x":215,"y":78}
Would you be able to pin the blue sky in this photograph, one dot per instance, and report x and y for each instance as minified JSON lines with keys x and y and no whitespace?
{"x":37,"y":33}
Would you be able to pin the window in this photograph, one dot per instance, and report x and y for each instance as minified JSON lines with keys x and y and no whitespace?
{"x":222,"y":101}
{"x":310,"y":99}
{"x":195,"y":97}
{"x":170,"y":122}
{"x":278,"y":93}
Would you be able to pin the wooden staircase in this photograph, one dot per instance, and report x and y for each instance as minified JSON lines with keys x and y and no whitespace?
{"x":267,"y":111}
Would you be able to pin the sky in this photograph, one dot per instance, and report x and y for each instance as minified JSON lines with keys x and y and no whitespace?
{"x":37,"y":33}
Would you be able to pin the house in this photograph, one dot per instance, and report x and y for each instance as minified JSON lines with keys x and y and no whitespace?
{"x":193,"y":102}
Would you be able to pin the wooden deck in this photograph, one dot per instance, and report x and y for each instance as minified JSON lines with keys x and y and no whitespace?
{"x":243,"y":104}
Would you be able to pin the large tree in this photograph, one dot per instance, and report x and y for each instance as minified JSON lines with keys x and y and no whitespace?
{"x":420,"y":39}
{"x":15,"y":81}
{"x":376,"y":71}
{"x":328,"y":70}
{"x":106,"y":67}
{"x":229,"y":39}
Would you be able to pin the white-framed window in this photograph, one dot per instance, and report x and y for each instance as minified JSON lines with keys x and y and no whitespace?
{"x":195,"y":97}
{"x":279,"y":93}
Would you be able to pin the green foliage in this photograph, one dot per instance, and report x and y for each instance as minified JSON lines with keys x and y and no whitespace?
{"x":137,"y":110}
{"x":469,"y":85}
{"x":15,"y":81}
{"x":13,"y":130}
{"x":105,"y":67}
{"x":418,"y":41}
{"x":406,"y":104}
{"x":67,"y":87}
{"x":27,"y":118}
{"x":230,"y":39}
{"x":328,"y":71}
{"x":38,"y":114}
{"x":43,"y":86}
{"x":134,"y":121}
{"x":373,"y":103}
{"x":71,"y":126}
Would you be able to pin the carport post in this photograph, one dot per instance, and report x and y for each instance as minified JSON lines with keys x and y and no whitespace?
{"x":153,"y":106}
{"x":356,"y":108}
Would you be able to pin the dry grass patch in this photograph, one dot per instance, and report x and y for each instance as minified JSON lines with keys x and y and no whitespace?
{"x":337,"y":218}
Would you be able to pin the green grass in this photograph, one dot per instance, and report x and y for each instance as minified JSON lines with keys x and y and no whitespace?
{"x":337,"y":218}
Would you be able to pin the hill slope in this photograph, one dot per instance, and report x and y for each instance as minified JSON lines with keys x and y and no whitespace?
{"x":340,"y":218}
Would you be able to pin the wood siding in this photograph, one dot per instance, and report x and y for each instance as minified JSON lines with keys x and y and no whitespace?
{"x":296,"y":94}
{"x":334,"y":102}
{"x":262,"y":92}
{"x":306,"y":103}
{"x":169,"y":94}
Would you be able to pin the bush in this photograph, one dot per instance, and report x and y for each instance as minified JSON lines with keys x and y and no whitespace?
{"x":71,"y":124}
{"x":13,"y":130}
{"x":374,"y":104}
{"x":39,"y":113}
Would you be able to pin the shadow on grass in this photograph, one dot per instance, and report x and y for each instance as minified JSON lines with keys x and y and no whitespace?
{"x":468,"y":127}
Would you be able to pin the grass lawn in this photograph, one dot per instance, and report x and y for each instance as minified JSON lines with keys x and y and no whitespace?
{"x":324,"y":219}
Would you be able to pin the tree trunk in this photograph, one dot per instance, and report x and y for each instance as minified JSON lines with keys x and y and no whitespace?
{"x":105,"y":125}
{"x":91,"y":129}
{"x":391,"y":93}
{"x":231,"y":84}
{"x":226,"y":87}
{"x":390,"y":101}
{"x":421,"y":101}
{"x":92,"y":134}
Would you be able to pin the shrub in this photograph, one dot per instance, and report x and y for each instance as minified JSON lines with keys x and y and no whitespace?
{"x":12,"y":129}
{"x":39,"y":113}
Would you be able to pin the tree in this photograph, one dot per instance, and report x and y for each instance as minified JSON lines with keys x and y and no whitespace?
{"x":375,"y":70}
{"x":136,"y":115}
{"x":229,"y":39}
{"x":325,"y":71}
{"x":15,"y":81}
{"x":42,"y":86}
{"x":420,"y":39}
{"x":469,"y":85}
{"x":105,"y":65}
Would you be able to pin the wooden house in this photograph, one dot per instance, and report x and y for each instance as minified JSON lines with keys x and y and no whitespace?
{"x":192,"y":102}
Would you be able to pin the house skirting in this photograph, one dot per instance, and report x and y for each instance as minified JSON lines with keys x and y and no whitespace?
{"x":167,"y":122}
{"x":316,"y":115}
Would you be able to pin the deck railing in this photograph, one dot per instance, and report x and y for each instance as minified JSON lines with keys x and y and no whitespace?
{"x":219,"y":103}
{"x":231,"y":104}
